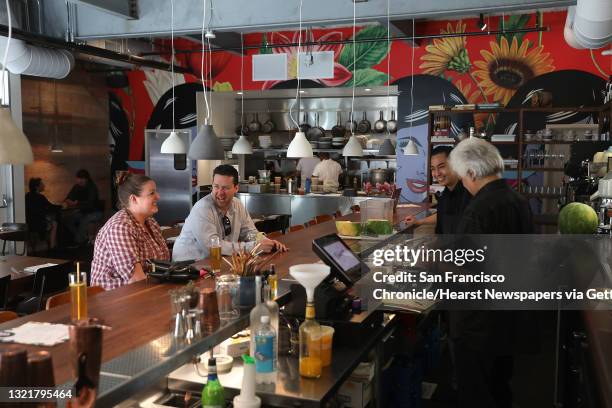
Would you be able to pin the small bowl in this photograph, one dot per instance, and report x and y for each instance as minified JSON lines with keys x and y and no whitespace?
{"x":224,"y":362}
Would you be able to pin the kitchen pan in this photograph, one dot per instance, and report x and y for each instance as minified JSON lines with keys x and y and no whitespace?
{"x":269,"y":126}
{"x":392,"y":123}
{"x":255,"y":126}
{"x":304,"y":126}
{"x":364,"y":125}
{"x":338,"y":130}
{"x":350,"y":124}
{"x":315,"y":132}
{"x":381,"y":124}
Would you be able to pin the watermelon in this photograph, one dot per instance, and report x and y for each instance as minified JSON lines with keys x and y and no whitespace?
{"x":348,"y":228}
{"x":379,"y":227}
{"x":578,"y":218}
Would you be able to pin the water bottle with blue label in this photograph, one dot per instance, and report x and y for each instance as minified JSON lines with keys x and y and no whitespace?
{"x":307,"y":186}
{"x":265,"y":363}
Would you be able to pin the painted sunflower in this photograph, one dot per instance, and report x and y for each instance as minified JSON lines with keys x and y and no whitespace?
{"x":507,"y":67}
{"x":447,"y":53}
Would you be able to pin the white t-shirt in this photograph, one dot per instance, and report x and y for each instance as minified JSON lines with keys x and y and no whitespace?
{"x":306,"y":166}
{"x":328,"y":170}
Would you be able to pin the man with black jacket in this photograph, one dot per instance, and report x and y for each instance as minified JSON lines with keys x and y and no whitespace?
{"x":483,"y":340}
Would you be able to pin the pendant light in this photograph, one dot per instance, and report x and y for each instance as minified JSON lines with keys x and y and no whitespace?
{"x":387,"y":148}
{"x":353,"y":147}
{"x":206,"y":145}
{"x":242,"y":145}
{"x":16,"y":148}
{"x":299,"y":146}
{"x":411,"y":148}
{"x":173,"y":143}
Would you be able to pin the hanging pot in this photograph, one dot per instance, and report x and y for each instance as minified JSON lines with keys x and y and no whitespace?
{"x":316,"y":132}
{"x":304,"y":126}
{"x":364,"y":126}
{"x":338,"y":130}
{"x":392,"y":124}
{"x":242,"y":130}
{"x":255,"y":126}
{"x":269,"y":126}
{"x":350,"y":125}
{"x":381,"y":124}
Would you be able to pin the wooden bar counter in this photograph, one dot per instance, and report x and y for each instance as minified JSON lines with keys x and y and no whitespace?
{"x":139,"y":317}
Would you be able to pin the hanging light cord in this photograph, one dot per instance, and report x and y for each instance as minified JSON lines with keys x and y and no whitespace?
{"x":202,"y":62}
{"x":8,"y":42}
{"x":172,"y":57}
{"x":412,"y":83}
{"x":241,"y":83}
{"x":388,"y":63}
{"x":354,"y":70}
{"x":297,"y":89}
{"x":209,"y":77}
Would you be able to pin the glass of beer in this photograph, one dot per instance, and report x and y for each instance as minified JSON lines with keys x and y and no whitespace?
{"x":78,"y":295}
{"x":215,"y":253}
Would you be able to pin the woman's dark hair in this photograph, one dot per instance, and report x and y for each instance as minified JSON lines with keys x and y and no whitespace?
{"x":34,"y":183}
{"x":129,"y":184}
{"x":83,"y":174}
{"x":226,"y":170}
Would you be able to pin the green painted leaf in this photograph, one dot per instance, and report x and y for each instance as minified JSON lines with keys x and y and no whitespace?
{"x":366,"y":54}
{"x":367,"y":77}
{"x":263,"y":49}
{"x":515,"y":21}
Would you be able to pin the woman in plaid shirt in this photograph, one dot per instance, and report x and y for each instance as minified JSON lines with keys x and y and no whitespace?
{"x":129,"y":237}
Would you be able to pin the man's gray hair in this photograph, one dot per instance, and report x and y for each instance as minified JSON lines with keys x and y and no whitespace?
{"x":476,"y":158}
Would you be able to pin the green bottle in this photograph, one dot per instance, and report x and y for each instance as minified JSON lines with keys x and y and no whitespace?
{"x":212,"y":394}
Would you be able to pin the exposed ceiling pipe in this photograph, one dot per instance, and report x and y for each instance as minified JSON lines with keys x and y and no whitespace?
{"x":360,"y":41}
{"x":55,"y":43}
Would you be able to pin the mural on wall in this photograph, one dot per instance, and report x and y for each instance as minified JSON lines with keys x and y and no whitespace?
{"x":474,"y":69}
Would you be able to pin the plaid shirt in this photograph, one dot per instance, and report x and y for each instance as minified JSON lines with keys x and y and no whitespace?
{"x":122,"y":243}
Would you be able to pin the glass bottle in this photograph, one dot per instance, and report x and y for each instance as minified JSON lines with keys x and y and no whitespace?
{"x":257,"y":312}
{"x":213,"y":395}
{"x":273,"y":281}
{"x":310,"y":345}
{"x":273,"y":311}
{"x":265,"y":344}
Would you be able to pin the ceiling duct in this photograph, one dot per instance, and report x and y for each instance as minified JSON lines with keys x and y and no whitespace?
{"x":25,"y":59}
{"x":589,"y":24}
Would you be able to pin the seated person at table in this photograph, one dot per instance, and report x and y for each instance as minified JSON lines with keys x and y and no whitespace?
{"x":129,"y":237}
{"x":219,"y":214}
{"x":41,"y":215}
{"x":82,"y":207}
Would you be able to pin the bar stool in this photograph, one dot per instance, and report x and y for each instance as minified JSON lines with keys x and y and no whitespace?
{"x":298,"y":227}
{"x":323,"y":218}
{"x":310,"y":223}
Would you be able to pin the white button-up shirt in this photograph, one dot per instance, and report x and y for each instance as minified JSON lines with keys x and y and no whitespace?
{"x":205,"y":221}
{"x":328,"y":171}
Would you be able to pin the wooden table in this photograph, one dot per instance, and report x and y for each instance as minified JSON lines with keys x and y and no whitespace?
{"x":140,"y":313}
{"x":14,"y":264}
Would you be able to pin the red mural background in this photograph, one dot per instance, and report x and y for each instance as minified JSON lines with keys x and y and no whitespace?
{"x":484,"y":68}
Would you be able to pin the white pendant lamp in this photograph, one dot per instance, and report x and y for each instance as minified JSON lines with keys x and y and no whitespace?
{"x":411,"y":149}
{"x":242,"y":146}
{"x":173,"y":144}
{"x":206,"y":145}
{"x":352,"y":148}
{"x":15,"y":147}
{"x":299,"y":146}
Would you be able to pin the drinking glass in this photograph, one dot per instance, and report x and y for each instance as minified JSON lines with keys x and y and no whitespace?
{"x":228,"y":296}
{"x":215,"y":253}
{"x":78,"y":295}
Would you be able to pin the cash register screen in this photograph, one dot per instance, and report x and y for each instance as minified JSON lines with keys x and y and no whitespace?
{"x":345,"y":265}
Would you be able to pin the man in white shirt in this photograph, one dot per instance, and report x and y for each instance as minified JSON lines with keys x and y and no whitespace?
{"x":306,"y":166}
{"x":328,"y":171}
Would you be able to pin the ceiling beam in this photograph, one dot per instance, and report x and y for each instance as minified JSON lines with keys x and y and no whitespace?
{"x":125,"y":9}
{"x":267,"y":15}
